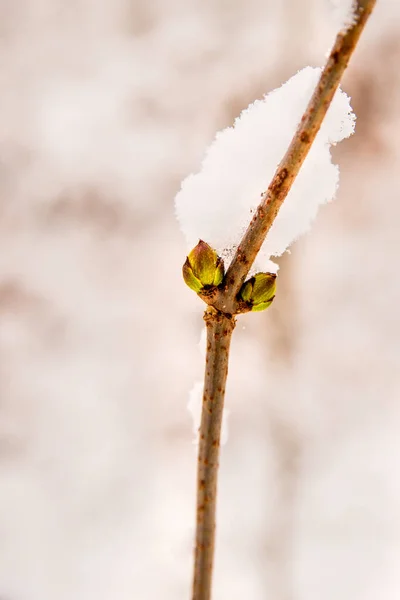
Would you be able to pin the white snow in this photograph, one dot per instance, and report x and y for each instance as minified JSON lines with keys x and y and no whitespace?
{"x":343,"y":13}
{"x":217,"y":203}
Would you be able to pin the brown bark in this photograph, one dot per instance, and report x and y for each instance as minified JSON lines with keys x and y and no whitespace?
{"x":224,"y":302}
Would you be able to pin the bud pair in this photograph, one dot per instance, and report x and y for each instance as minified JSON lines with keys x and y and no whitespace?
{"x":203,"y":268}
{"x":259,"y":291}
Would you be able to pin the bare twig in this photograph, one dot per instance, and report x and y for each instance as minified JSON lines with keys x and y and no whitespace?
{"x":224,"y":300}
{"x":219,"y":333}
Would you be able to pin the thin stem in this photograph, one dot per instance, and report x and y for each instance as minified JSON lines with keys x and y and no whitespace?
{"x":291,"y":163}
{"x":223,"y":303}
{"x":219,"y":333}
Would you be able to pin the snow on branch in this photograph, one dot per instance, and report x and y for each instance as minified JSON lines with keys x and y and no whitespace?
{"x":217,"y":203}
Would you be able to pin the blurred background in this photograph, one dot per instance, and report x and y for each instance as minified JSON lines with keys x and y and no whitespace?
{"x":105,"y":105}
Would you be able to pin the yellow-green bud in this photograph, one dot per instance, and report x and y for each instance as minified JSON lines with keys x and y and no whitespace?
{"x":259,"y":291}
{"x":203,"y":268}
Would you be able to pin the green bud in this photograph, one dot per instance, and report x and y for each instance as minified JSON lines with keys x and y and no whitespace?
{"x":259,"y":291}
{"x":190,"y":279}
{"x":203,"y":268}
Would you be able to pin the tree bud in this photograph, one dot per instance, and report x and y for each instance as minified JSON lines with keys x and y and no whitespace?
{"x":203,"y":268}
{"x":259,"y":291}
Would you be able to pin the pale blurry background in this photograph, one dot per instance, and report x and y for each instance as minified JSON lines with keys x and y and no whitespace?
{"x":105,"y":105}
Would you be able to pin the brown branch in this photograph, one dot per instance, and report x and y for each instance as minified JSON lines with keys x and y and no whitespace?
{"x":224,"y":303}
{"x":291,"y":163}
{"x":219,"y":333}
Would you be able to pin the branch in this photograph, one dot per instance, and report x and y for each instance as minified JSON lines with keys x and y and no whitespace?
{"x":291,"y":163}
{"x":223,"y":299}
{"x":219,"y":333}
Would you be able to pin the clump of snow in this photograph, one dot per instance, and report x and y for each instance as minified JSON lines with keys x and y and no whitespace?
{"x":194,"y":407}
{"x":217,"y":203}
{"x":343,"y":13}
